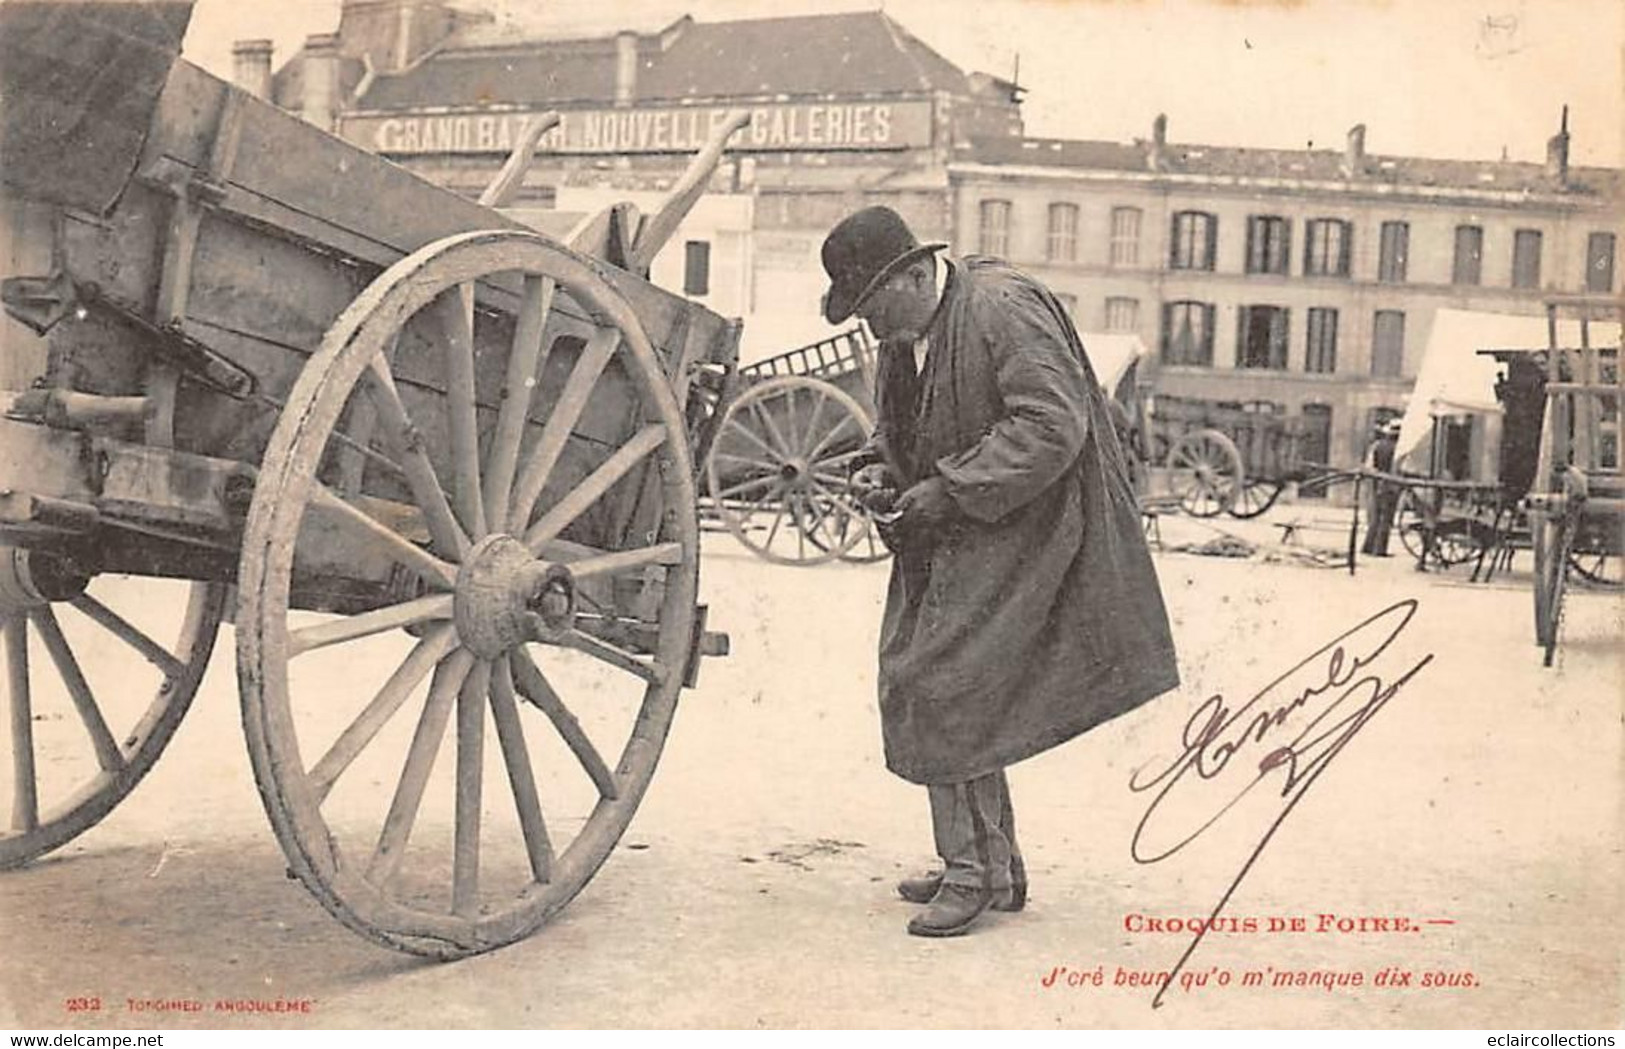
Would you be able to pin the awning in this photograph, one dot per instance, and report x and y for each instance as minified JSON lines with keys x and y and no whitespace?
{"x":1456,"y":379}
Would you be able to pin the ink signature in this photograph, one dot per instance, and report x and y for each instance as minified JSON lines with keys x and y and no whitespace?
{"x":1323,"y":702}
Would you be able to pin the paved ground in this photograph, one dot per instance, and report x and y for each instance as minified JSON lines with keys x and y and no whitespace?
{"x":754,"y":887}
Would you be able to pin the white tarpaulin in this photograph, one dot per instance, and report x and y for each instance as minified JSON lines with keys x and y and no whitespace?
{"x":1456,"y":379}
{"x":1111,"y":354}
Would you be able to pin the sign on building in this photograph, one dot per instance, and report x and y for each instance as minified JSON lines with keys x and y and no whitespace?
{"x":866,"y":125}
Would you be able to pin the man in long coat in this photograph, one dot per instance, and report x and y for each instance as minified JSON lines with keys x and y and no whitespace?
{"x":1023,"y":606}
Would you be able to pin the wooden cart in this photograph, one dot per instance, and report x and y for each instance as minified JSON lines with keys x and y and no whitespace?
{"x":1576,"y":504}
{"x":437,"y":467}
{"x":1214,"y":458}
{"x":778,"y":469}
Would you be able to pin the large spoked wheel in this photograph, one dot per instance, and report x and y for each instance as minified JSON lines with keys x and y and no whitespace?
{"x":778,"y":470}
{"x":518,"y":601}
{"x":1205,"y":472}
{"x":92,"y":695}
{"x":1255,"y":498}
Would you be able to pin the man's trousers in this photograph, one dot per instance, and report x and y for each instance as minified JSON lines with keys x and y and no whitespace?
{"x":975,"y":830}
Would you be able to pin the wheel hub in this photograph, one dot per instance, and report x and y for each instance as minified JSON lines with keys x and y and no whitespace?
{"x":794,"y":471}
{"x":30,"y":579}
{"x":505,"y":597}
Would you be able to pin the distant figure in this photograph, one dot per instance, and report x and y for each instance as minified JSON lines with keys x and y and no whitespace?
{"x":1384,"y":496}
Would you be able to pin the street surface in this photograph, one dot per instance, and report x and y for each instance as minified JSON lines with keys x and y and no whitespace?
{"x":1481,"y":805}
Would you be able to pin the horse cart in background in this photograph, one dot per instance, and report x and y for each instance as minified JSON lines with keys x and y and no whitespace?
{"x":438,"y":468}
{"x":779,"y":465}
{"x":1210,"y":457}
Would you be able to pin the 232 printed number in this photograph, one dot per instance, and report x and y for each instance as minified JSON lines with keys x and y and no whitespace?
{"x":82,"y":1005}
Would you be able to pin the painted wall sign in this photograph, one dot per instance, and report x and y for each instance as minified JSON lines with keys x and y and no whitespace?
{"x":670,"y":129}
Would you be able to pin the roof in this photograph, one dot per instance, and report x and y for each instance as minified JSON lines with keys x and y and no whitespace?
{"x":1301,"y":165}
{"x":1456,"y":379}
{"x":855,"y":53}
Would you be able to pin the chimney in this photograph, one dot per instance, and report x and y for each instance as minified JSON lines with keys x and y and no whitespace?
{"x":1354,"y":152}
{"x":626,"y":67}
{"x":1557,"y":153}
{"x":251,"y":66}
{"x":1156,"y":160}
{"x":321,"y":77}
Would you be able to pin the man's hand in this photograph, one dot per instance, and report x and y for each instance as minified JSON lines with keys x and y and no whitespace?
{"x":926,"y":506}
{"x":873,"y":486}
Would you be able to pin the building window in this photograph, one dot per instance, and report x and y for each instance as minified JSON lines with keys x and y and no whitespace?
{"x":1069,"y":302}
{"x":697,"y":267}
{"x":1326,"y":244}
{"x":1393,"y":252}
{"x":1187,"y":333}
{"x":1195,"y":236}
{"x":1600,"y":262}
{"x":993,"y":234}
{"x":1526,"y":258}
{"x":1321,"y":357}
{"x":1469,"y":255}
{"x":1388,"y":344}
{"x":1063,"y":233}
{"x":1316,"y":446}
{"x":1122,"y":314}
{"x":1125,"y":236}
{"x":1261,"y":340}
{"x":1269,"y":244}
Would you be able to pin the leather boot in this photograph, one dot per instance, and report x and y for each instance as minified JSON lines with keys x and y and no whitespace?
{"x":923,"y":889}
{"x":952,"y":913}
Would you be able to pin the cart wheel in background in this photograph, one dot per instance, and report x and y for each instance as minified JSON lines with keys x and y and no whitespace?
{"x":1255,"y":498}
{"x":1412,"y":522}
{"x":1597,"y":568}
{"x":99,"y":674}
{"x":1205,"y":472}
{"x":573,"y":654}
{"x":93,"y":695}
{"x":779,"y":466}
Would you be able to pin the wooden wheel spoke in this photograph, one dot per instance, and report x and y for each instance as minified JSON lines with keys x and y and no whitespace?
{"x":405,"y":442}
{"x":108,"y":754}
{"x":842,"y":459}
{"x":596,"y":484}
{"x":737,"y":489}
{"x":740,"y":428}
{"x":521,"y":777}
{"x":403,"y":809}
{"x":813,"y":420}
{"x":829,"y":437}
{"x":536,"y":689}
{"x":525,"y":360}
{"x":454,"y":309}
{"x":399,"y":547}
{"x":650,"y":670}
{"x":778,"y":519}
{"x":839,"y":500}
{"x":465,"y":871}
{"x":785,"y":449}
{"x":116,"y":625}
{"x":364,"y":624}
{"x":792,"y":431}
{"x":572,"y":402}
{"x":627,"y":560}
{"x":25,"y":796}
{"x":360,"y":732}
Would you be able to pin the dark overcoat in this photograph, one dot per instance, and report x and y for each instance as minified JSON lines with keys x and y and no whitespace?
{"x":1036,"y":614}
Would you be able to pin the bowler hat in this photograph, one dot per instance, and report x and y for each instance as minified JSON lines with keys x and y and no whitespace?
{"x":863,"y":250}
